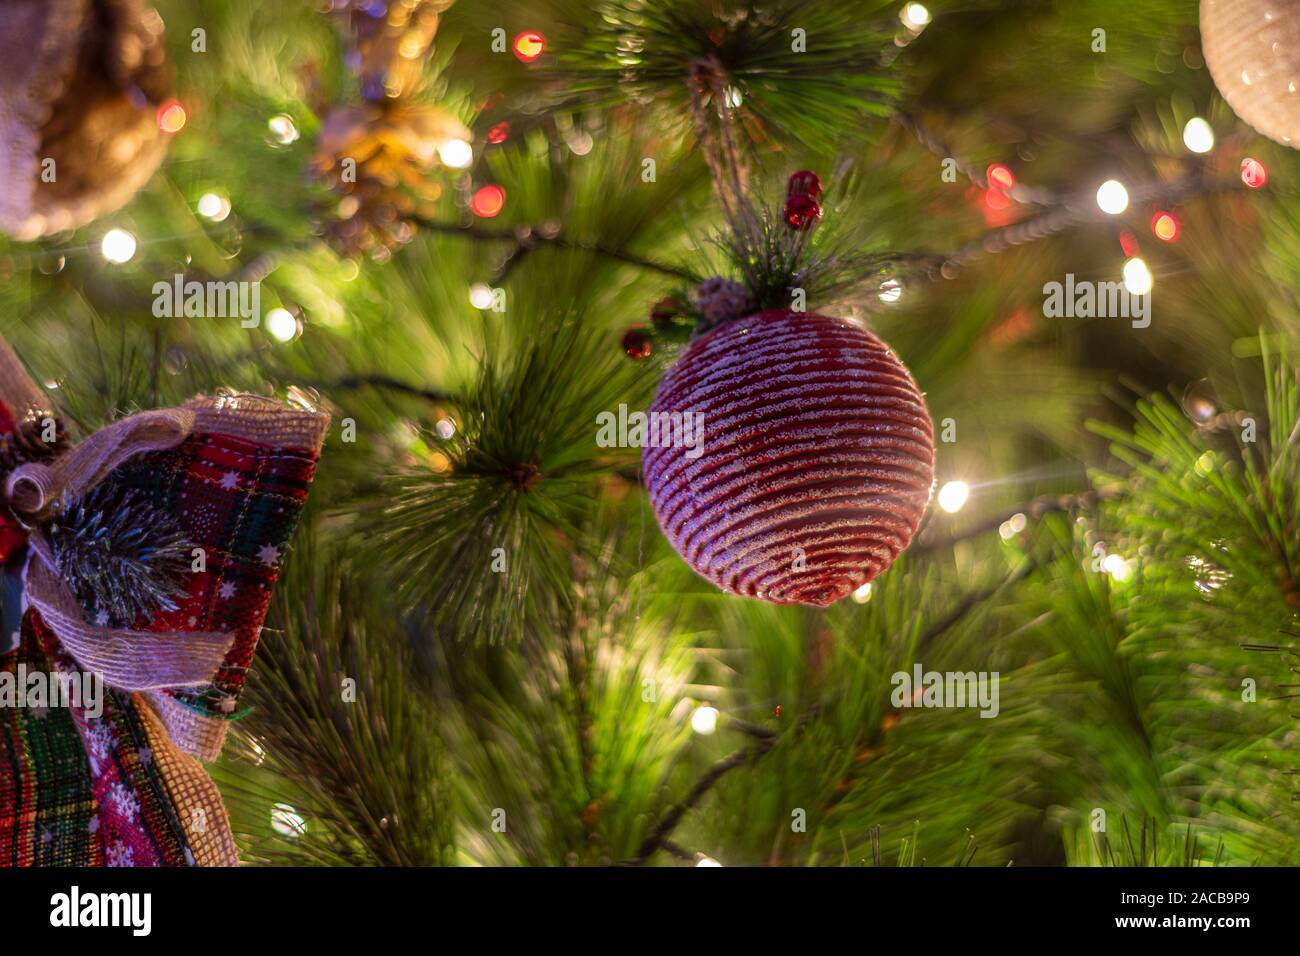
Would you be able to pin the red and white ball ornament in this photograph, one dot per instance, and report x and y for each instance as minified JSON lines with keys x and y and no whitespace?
{"x":815,"y":462}
{"x":812,"y":452}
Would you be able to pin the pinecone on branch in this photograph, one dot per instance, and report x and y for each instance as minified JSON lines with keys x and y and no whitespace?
{"x":27,"y":444}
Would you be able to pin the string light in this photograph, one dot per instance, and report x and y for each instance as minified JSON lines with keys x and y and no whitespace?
{"x":1137,"y":277}
{"x":1165,"y":226}
{"x":118,"y":246}
{"x":863,"y":594}
{"x":171,"y":117}
{"x":1012,"y":526}
{"x":480,"y":296}
{"x":914,"y":16}
{"x":890,"y":291}
{"x":488,"y":202}
{"x":283,"y":129}
{"x":1253,"y":173}
{"x":214,"y":207}
{"x":707,"y":861}
{"x":1000,"y":176}
{"x":282,"y":325}
{"x":456,"y":153}
{"x":1116,"y":567}
{"x":1112,"y":197}
{"x":1198,"y":136}
{"x":704,"y":720}
{"x":497,"y":134}
{"x":529,"y":45}
{"x":953,"y":496}
{"x":445,"y":428}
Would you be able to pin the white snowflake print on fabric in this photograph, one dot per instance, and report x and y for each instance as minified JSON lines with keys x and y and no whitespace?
{"x":99,"y":744}
{"x":125,"y":803}
{"x":230,"y":481}
{"x":226,"y":591}
{"x":268,"y":554}
{"x":119,"y":854}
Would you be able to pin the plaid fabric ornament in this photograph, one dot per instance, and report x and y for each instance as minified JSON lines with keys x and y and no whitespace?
{"x":114,"y":778}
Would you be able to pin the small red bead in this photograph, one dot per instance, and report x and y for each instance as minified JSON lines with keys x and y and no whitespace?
{"x":638,"y":343}
{"x":802,"y":212}
{"x":804,"y":183}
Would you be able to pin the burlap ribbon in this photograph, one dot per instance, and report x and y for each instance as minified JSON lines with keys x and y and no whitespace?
{"x":125,"y":659}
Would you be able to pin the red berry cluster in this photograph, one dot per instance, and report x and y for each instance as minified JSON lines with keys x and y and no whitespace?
{"x":802,"y":211}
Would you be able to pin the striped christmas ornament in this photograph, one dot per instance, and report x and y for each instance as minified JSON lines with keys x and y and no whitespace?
{"x":1252,"y":48}
{"x":814,"y":463}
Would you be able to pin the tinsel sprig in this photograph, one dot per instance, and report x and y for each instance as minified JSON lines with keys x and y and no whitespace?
{"x":120,"y":555}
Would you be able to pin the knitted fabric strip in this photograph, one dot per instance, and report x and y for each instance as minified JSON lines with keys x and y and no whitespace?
{"x":192,"y":793}
{"x":78,"y":789}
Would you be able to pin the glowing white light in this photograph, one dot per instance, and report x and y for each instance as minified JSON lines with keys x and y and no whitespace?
{"x":914,"y":16}
{"x":283,"y":128}
{"x":1198,"y":136}
{"x":707,"y":861}
{"x":1116,"y":567}
{"x":1137,"y":277}
{"x":213,"y":207}
{"x":282,"y":324}
{"x":445,"y":428}
{"x":480,"y":296}
{"x":456,"y":153}
{"x":287,"y":821}
{"x":891,"y":290}
{"x":118,"y":246}
{"x":953,"y":496}
{"x":1112,"y":197}
{"x":734,"y":97}
{"x":704,"y":720}
{"x":863,"y":594}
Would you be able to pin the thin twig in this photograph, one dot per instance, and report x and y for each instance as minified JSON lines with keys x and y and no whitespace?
{"x":528,"y":237}
{"x":1036,"y":508}
{"x":353,"y":382}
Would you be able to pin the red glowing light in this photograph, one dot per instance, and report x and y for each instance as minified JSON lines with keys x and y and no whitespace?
{"x":1165,"y":226}
{"x":1000,"y":176}
{"x":488,"y":202}
{"x":497,"y":134}
{"x":171,"y":117}
{"x":996,"y":199}
{"x":1128,"y":242}
{"x":1253,"y":173}
{"x":529,"y":45}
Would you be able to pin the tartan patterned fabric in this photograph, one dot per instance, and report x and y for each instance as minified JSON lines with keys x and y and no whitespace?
{"x":78,"y":789}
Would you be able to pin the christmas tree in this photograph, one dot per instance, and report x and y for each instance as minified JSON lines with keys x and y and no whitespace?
{"x":984,"y":550}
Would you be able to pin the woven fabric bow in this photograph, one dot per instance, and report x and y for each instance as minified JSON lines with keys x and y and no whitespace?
{"x":220,"y":481}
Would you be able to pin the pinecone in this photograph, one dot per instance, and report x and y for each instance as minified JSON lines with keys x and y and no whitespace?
{"x":27,"y":444}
